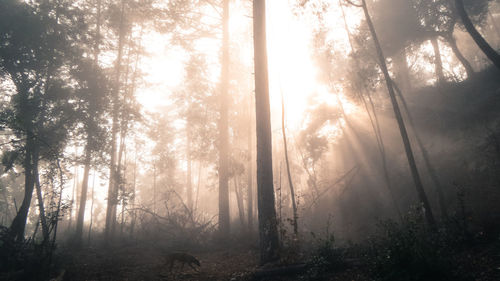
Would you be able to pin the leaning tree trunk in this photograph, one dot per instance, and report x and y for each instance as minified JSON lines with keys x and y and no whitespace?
{"x":425,"y":155}
{"x":478,"y":38}
{"x":268,"y":232}
{"x":224,"y":226}
{"x":402,"y":128}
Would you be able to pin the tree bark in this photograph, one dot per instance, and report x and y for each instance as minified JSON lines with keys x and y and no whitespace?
{"x":268,"y":232}
{"x":224,"y":224}
{"x":474,"y":33}
{"x":438,"y":63}
{"x":402,"y":128}
{"x":290,"y":182}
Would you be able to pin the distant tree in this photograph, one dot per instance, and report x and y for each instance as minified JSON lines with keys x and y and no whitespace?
{"x":93,"y":107}
{"x":269,"y":242}
{"x":224,"y":225}
{"x":289,"y":174}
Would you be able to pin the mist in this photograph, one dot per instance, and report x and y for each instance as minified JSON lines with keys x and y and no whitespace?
{"x":249,"y":140}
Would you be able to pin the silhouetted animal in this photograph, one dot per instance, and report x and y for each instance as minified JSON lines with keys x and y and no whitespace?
{"x":181,"y":258}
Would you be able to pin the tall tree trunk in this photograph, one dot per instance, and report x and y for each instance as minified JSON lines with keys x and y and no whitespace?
{"x":41,"y":208}
{"x":438,"y":63}
{"x":197,"y":188}
{"x":268,"y":232}
{"x":239,"y":202}
{"x":91,"y":208}
{"x":88,"y":149}
{"x":374,"y":121}
{"x":466,"y":64}
{"x":83,"y":196}
{"x":290,"y":182}
{"x":402,"y":128}
{"x":474,"y":33}
{"x":189,"y":186}
{"x":112,"y":200}
{"x":250,"y":174}
{"x":224,"y":224}
{"x":132,"y":199}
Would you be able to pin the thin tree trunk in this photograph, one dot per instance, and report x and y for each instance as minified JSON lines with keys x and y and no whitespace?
{"x":134,"y":214}
{"x":88,"y":150}
{"x":425,"y":155}
{"x":83,"y":196}
{"x":402,"y":128}
{"x":112,"y":200}
{"x":375,"y":123}
{"x":478,"y":38}
{"x":466,"y":64}
{"x":154,"y":187}
{"x":41,"y":208}
{"x":268,"y":232}
{"x":438,"y":63}
{"x":239,"y":201}
{"x":197,"y":187}
{"x":250,"y":172}
{"x":290,"y":182}
{"x":92,"y":208}
{"x":73,"y":191}
{"x":224,"y":223}
{"x":189,"y":187}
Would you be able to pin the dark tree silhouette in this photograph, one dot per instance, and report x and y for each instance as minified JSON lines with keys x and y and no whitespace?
{"x":269,"y":243}
{"x":480,"y":41}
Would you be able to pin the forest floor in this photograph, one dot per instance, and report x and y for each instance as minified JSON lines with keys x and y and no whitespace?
{"x":139,"y":263}
{"x":136,"y":263}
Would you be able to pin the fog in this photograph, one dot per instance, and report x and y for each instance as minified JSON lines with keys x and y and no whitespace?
{"x":272,"y":140}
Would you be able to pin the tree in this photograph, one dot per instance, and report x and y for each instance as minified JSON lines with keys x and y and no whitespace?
{"x":92,"y":113}
{"x":39,"y":56}
{"x":268,"y":232}
{"x":480,"y":41}
{"x":397,"y":112}
{"x":224,"y":226}
{"x":290,"y":182}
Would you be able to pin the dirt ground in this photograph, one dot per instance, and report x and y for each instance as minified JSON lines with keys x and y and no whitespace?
{"x":134,"y":264}
{"x":142,"y":263}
